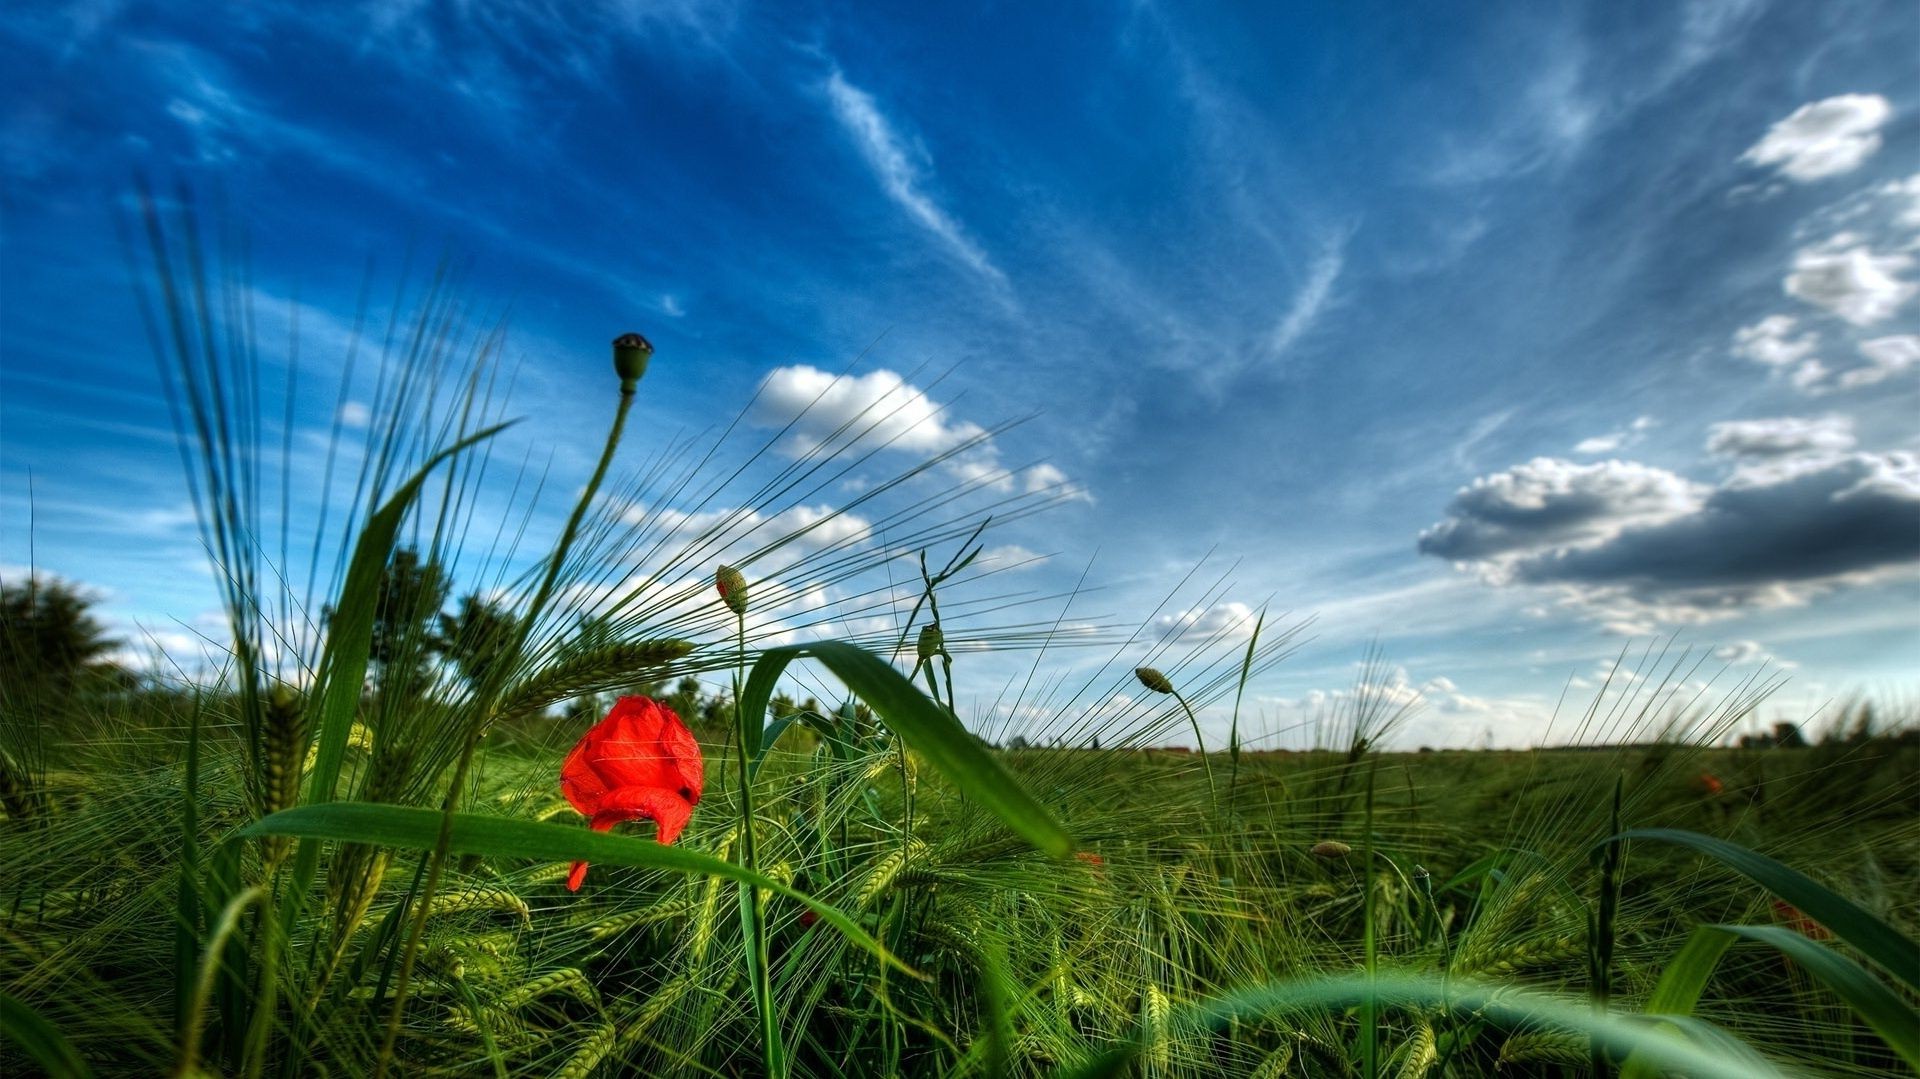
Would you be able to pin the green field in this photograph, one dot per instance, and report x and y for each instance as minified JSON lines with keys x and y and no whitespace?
{"x":343,"y":849}
{"x":1472,"y":869}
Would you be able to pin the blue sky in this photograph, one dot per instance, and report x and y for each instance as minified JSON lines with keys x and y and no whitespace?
{"x":1511,"y":336}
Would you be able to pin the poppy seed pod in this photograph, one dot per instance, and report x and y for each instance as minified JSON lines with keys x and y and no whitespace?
{"x":1330,"y":849}
{"x":630,"y":355}
{"x":733,"y":589}
{"x":1153,"y":679}
{"x":932,"y":642}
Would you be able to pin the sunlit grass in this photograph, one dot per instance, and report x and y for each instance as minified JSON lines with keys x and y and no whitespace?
{"x":343,"y":849}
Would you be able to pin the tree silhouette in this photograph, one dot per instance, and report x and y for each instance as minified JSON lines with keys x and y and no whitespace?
{"x":47,"y":634}
{"x":478,"y":637}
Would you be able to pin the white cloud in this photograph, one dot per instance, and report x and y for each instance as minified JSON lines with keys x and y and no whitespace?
{"x":1614,"y":441}
{"x":899,"y":173}
{"x":1749,"y":652}
{"x":355,"y":414}
{"x":1008,"y":556}
{"x":1312,"y":297}
{"x":1886,"y":357}
{"x":1768,"y":342}
{"x":1784,"y":436}
{"x":1220,"y":622}
{"x":1553,"y":503}
{"x":1906,"y":192}
{"x":882,"y":408}
{"x":1844,"y":276}
{"x":1634,"y":547}
{"x":1823,"y":138}
{"x":800,"y":530}
{"x":879,"y":405}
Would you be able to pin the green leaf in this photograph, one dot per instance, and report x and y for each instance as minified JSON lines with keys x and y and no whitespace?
{"x":507,"y":837}
{"x":928,"y":728}
{"x":1691,"y":1054}
{"x":42,"y":1041}
{"x":1681,"y":984}
{"x":1882,"y":944}
{"x":343,"y":661}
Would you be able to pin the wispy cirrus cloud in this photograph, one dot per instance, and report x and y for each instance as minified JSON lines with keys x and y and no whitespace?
{"x":903,"y":172}
{"x":1312,"y":297}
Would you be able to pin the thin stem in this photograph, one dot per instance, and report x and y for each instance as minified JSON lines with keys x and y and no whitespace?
{"x":484,"y":701}
{"x":752,"y":922}
{"x":1201,"y":745}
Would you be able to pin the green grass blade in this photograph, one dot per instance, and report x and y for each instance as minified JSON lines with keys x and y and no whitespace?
{"x":506,"y":837}
{"x":927,"y":727}
{"x":1870,"y":999}
{"x":1685,"y":976}
{"x":768,"y":737}
{"x":41,"y":1040}
{"x":1509,"y":1004}
{"x":344,"y":659}
{"x":1883,"y":945}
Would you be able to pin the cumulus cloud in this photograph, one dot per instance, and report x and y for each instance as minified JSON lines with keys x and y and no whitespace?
{"x":880,"y":405}
{"x":1886,"y":357}
{"x":730,"y":534}
{"x":1554,"y":503}
{"x":1616,"y":440}
{"x":1785,"y":436}
{"x":1008,"y":556}
{"x":1220,"y":621}
{"x":1635,"y":546}
{"x":1823,"y":138}
{"x":1844,"y":276}
{"x":1770,"y":342}
{"x":900,"y":172}
{"x":882,"y":408}
{"x":1742,"y":653}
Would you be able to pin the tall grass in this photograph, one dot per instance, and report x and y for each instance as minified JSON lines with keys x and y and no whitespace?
{"x":333,"y":852}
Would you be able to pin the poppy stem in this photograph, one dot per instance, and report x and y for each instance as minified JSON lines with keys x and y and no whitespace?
{"x":488,"y":694}
{"x":1200,"y":745}
{"x":753,"y":924}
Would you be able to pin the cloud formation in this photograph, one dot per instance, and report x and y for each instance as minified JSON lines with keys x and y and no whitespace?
{"x":882,"y":404}
{"x":1823,"y":138}
{"x":1844,"y":276}
{"x":881,"y":408}
{"x":1217,"y":622}
{"x":1785,"y":436}
{"x":1636,"y":546}
{"x":1549,"y":503}
{"x":900,"y":175}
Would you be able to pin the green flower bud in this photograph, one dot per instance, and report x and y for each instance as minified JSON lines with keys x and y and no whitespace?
{"x":630,"y":355}
{"x":932,"y":642}
{"x":1331,"y":849}
{"x":1153,"y":679}
{"x":733,"y":589}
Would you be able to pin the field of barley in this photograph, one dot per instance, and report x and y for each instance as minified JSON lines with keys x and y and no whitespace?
{"x":391,"y":835}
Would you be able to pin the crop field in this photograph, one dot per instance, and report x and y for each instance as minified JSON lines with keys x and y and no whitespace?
{"x":525,"y":836}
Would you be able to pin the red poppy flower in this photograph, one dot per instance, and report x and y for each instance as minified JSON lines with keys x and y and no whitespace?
{"x":639,"y":762}
{"x":1708,"y":784}
{"x":1799,"y":922}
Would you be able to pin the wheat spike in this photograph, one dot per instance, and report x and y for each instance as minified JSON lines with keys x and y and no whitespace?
{"x":1547,"y":1047}
{"x":481,"y":898}
{"x":1276,"y":1065}
{"x":882,"y":876}
{"x":1157,"y":1011}
{"x":570,"y":980}
{"x":590,"y":672}
{"x":591,"y":1052}
{"x":1422,"y":1053}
